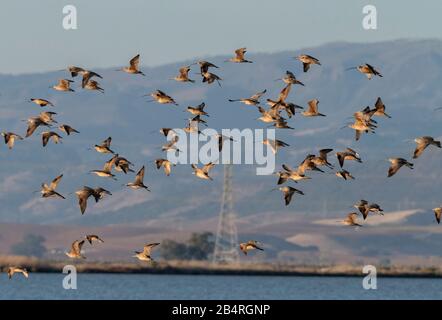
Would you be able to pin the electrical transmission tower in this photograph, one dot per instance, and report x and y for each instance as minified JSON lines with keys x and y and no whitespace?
{"x":226,"y":245}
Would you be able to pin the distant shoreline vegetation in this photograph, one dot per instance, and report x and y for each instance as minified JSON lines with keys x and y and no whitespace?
{"x":35,"y":265}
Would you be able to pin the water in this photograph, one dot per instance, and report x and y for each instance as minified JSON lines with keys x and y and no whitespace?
{"x":147,"y":286}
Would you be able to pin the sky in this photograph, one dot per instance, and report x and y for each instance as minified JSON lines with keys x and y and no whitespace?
{"x":110,"y":32}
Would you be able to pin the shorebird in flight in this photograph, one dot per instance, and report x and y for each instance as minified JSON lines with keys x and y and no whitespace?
{"x":145,"y":255}
{"x":322,"y":160}
{"x":122,"y":164}
{"x":423,"y":143}
{"x":348,"y":154}
{"x":437,"y":213}
{"x":268,"y":116}
{"x":33,"y":124}
{"x":308,"y":165}
{"x":252,"y":101}
{"x":275,"y":145}
{"x":368,"y":70}
{"x":221,"y":139}
{"x":14,"y":270}
{"x":351,"y":220}
{"x":307,"y":61}
{"x":396,"y":164}
{"x":107,"y":169}
{"x":171,"y":145}
{"x":10,"y":138}
{"x":133,"y":66}
{"x":91,"y":238}
{"x":205,"y":65}
{"x":93,"y":85}
{"x":75,"y":252}
{"x":42,"y":102}
{"x":239,"y":56}
{"x":198,"y":110}
{"x":312,"y":110}
{"x":197,"y":119}
{"x":290,"y":78}
{"x":138,"y":183}
{"x":379,"y":109}
{"x":166,"y":164}
{"x":162,"y":98}
{"x":104,"y":147}
{"x":365,"y":208}
{"x":87,"y":74}
{"x":183,"y":75}
{"x":203,"y":173}
{"x":84,"y":194}
{"x":63,"y":85}
{"x":47,"y":116}
{"x":165,"y":131}
{"x":48,"y":191}
{"x":67,"y":129}
{"x":290,"y":174}
{"x":281,"y":123}
{"x":288,"y":193}
{"x":249,"y":245}
{"x":47,"y":135}
{"x":363,"y":123}
{"x":344,"y":174}
{"x":211,"y":78}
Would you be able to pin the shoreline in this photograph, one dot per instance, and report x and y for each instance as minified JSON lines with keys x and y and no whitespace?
{"x":207,"y":268}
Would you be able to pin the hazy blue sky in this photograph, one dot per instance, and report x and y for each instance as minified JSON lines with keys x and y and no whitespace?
{"x":110,"y":32}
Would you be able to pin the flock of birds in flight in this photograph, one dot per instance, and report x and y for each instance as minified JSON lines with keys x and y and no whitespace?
{"x":363,"y":123}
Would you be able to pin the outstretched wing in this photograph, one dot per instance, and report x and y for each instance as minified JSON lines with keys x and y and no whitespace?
{"x":258,"y":95}
{"x":207,"y":167}
{"x":55,"y":182}
{"x":147,"y":249}
{"x":76,"y":246}
{"x":140,"y":176}
{"x":135,"y":61}
{"x":284,"y":93}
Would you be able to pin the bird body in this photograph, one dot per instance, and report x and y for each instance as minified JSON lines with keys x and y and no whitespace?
{"x":307,"y":61}
{"x":203,"y":173}
{"x":162,"y":98}
{"x":75,"y":252}
{"x":252,"y":101}
{"x":275,"y":145}
{"x":437,"y":213}
{"x":42,"y":102}
{"x":245,"y":247}
{"x":344,"y":174}
{"x":91,"y":238}
{"x":348,"y":154}
{"x":423,"y":143}
{"x":63,"y":85}
{"x":49,"y":191}
{"x":47,"y":135}
{"x":67,"y":129}
{"x":166,"y":164}
{"x":183,"y":75}
{"x":14,"y":270}
{"x":133,"y":67}
{"x":396,"y":164}
{"x":239,"y":56}
{"x":10,"y":138}
{"x":312,"y":110}
{"x":138,"y":183}
{"x":351,"y":220}
{"x":288,"y":193}
{"x":145,"y":255}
